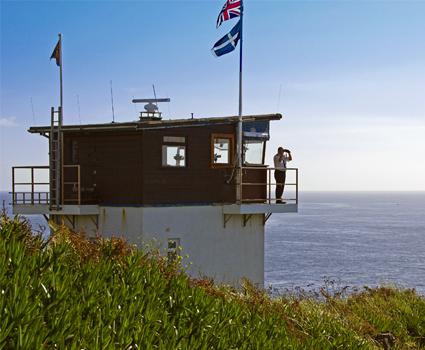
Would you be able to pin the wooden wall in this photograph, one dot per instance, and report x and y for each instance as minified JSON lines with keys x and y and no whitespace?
{"x":198,"y":182}
{"x":111,"y":166}
{"x":125,"y":168}
{"x":255,"y":193}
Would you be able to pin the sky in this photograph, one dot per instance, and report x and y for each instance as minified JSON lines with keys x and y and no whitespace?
{"x":348,"y":77}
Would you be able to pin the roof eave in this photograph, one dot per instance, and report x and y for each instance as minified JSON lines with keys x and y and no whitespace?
{"x":139,"y":125}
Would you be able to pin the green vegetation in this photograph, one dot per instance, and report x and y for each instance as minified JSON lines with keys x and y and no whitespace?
{"x":75,"y":293}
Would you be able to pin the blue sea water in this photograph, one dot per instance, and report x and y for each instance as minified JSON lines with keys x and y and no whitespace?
{"x":356,"y":239}
{"x":353,"y":238}
{"x":38,"y":222}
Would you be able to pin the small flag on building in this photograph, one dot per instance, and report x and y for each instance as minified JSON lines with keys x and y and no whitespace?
{"x":231,"y":9}
{"x":228,"y":42}
{"x":56,"y":54}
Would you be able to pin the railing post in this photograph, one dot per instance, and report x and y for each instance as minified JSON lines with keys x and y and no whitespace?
{"x":79,"y":185}
{"x":32,"y":185}
{"x":296,"y":186}
{"x":270,"y":186}
{"x":241,"y":182}
{"x":13,"y":186}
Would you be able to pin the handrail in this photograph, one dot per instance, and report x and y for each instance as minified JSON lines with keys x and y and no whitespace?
{"x":30,"y":166}
{"x":34,"y":195}
{"x":269,"y":184}
{"x":34,"y":198}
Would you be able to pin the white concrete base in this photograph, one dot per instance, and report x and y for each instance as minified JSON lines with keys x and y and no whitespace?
{"x":226,"y":253}
{"x":218,"y":240}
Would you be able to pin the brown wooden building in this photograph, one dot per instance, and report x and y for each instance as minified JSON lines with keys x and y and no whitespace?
{"x":170,"y":181}
{"x":154,"y":162}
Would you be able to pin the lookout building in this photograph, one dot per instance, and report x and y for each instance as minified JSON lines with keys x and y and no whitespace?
{"x":171,"y":182}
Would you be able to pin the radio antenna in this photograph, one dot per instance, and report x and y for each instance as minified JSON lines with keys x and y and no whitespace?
{"x":135,"y":109}
{"x":154,"y":95}
{"x":78,"y":106}
{"x":32,"y":109}
{"x":112,"y":103}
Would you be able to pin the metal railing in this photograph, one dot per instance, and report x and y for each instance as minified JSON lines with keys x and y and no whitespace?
{"x":30,"y":197}
{"x":30,"y":191}
{"x":33,"y":195}
{"x":270,"y":184}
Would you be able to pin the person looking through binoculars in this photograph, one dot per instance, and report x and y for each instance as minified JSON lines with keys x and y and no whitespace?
{"x":280,"y":160}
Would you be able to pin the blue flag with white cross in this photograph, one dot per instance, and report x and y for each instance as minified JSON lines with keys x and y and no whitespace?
{"x":228,"y":42}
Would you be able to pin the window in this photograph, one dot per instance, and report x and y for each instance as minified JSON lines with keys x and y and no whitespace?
{"x":173,"y":248}
{"x":222,"y":150}
{"x":174,"y":151}
{"x":253,"y":151}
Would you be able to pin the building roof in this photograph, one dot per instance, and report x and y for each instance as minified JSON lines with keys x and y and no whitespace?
{"x":157,"y":124}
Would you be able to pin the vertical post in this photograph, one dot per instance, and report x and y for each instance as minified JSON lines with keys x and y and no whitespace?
{"x":51,"y":157}
{"x":32,"y":185}
{"x":296,"y":186}
{"x":270,"y":185}
{"x":60,"y":70}
{"x":59,"y":135}
{"x":239,"y":138}
{"x":59,"y":161}
{"x":79,"y":184}
{"x":13,"y":186}
{"x":63,"y":186}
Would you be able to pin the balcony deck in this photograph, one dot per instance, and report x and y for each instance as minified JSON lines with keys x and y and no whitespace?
{"x":31,"y":195}
{"x":44,"y":209}
{"x":260,"y":208}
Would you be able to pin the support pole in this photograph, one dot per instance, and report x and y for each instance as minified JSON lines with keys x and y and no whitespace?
{"x":60,"y":72}
{"x":58,"y":165}
{"x":14,"y":201}
{"x":32,"y":185}
{"x":239,"y":134}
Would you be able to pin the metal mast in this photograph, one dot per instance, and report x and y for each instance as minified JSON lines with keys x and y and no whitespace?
{"x":239,"y":133}
{"x":55,"y":145}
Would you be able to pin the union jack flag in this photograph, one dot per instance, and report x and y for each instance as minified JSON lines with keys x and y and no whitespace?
{"x":231,"y":9}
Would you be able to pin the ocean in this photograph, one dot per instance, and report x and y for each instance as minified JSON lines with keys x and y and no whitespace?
{"x":356,"y":239}
{"x":353,"y":239}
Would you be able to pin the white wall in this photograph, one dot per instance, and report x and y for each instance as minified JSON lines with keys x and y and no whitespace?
{"x":224,"y":253}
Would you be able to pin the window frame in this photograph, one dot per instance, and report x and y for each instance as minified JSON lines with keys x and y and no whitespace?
{"x":231,"y":138}
{"x":263,"y":155}
{"x":174,"y":144}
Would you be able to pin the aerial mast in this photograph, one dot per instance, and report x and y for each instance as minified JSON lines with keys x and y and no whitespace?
{"x":239,"y":135}
{"x":55,"y":138}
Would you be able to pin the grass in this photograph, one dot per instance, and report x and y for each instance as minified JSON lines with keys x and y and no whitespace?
{"x":74,"y":293}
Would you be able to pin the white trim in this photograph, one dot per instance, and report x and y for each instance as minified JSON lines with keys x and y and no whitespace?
{"x":231,"y":41}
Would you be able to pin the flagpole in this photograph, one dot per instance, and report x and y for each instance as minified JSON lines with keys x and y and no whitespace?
{"x":60,"y":73}
{"x":59,"y":170}
{"x":239,"y":135}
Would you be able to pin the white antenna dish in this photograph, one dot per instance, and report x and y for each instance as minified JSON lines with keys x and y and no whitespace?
{"x":144,"y":100}
{"x":151,"y":111}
